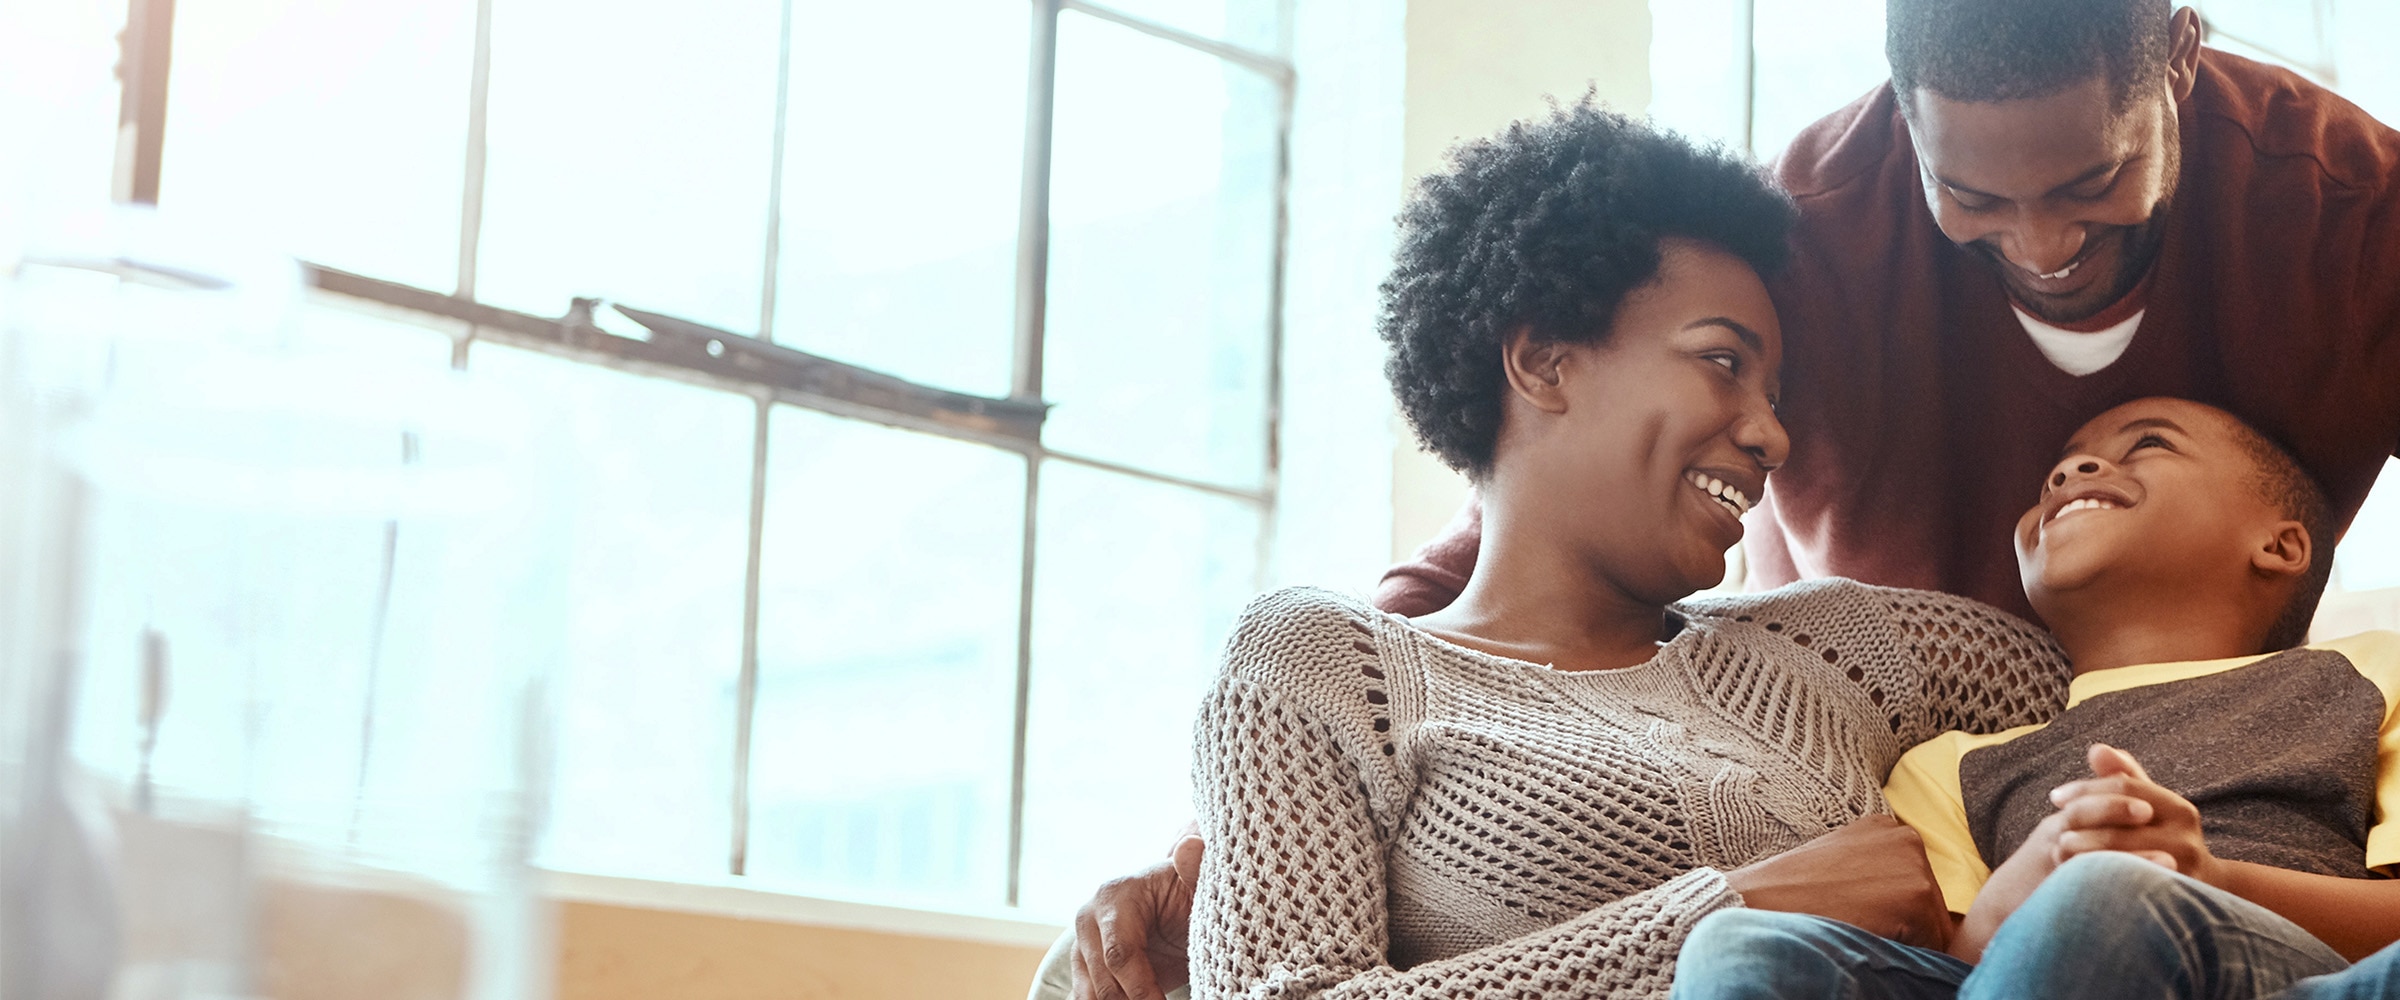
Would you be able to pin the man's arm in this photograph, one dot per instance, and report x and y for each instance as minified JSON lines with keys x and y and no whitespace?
{"x":1130,"y":937}
{"x":1433,"y":578}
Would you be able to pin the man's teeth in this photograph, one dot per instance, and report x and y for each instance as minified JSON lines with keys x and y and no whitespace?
{"x":1732,"y":498}
{"x":2061,"y":272}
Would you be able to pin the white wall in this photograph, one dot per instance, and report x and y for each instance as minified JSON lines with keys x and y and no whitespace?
{"x":1333,"y":523}
{"x":1474,"y":66}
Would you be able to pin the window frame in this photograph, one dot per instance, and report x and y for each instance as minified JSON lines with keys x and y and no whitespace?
{"x":597,"y":332}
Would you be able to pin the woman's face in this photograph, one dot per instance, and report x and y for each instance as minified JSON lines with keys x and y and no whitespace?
{"x":1667,"y":427}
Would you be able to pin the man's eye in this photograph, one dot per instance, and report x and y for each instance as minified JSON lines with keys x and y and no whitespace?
{"x":1972,"y":203}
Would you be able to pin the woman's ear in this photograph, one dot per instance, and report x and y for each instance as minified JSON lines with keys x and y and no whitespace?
{"x":2287,"y":551}
{"x":1533,"y":364}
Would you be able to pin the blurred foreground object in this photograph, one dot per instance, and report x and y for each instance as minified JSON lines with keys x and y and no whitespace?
{"x":274,"y":626}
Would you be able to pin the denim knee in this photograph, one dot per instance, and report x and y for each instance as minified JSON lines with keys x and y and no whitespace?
{"x":1765,"y":955}
{"x":2110,"y":880}
{"x":1726,"y":952}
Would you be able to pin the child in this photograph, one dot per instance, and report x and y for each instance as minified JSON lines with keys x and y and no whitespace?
{"x":2174,"y":554}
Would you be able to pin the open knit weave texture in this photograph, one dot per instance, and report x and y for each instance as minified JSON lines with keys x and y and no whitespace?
{"x":1389,"y":814}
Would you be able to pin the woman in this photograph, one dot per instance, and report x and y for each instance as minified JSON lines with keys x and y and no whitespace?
{"x":1537,"y":790}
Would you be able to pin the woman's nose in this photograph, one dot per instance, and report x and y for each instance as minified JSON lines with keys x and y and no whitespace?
{"x":1762,"y":435}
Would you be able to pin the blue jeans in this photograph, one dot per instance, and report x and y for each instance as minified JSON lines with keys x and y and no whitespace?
{"x":2102,"y":926}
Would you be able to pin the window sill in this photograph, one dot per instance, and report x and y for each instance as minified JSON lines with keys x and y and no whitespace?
{"x":745,"y":900}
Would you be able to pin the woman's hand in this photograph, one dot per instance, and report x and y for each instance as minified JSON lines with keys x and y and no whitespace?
{"x":1871,"y":874}
{"x":2120,"y":809}
{"x":1130,"y":937}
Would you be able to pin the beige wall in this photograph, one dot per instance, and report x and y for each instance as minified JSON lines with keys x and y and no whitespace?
{"x":627,"y":953}
{"x":1473,"y":66}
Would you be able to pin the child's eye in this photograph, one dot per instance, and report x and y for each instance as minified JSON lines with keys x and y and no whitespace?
{"x":2149,"y":441}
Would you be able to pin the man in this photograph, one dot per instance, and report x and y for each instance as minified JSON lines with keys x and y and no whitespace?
{"x":2055,"y":206}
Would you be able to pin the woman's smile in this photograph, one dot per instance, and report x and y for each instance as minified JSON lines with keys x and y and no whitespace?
{"x":1726,"y":495}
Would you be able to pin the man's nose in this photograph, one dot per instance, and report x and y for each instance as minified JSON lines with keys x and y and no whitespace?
{"x":2043,"y":246}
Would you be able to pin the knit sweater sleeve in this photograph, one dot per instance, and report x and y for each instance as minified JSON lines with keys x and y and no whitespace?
{"x":1297,"y":797}
{"x":1979,"y":669}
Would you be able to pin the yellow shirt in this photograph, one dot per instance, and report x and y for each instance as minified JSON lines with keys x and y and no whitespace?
{"x":1926,"y":793}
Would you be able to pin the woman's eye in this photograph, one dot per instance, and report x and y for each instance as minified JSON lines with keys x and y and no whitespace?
{"x":1731,"y":362}
{"x":2149,"y":441}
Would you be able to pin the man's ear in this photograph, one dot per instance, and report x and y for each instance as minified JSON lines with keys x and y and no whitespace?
{"x":2183,"y":52}
{"x":1533,"y":366}
{"x":2287,"y":551}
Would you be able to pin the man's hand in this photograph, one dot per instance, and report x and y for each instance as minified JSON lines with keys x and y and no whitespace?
{"x":2120,"y":809}
{"x":1871,"y":874}
{"x":1130,"y":937}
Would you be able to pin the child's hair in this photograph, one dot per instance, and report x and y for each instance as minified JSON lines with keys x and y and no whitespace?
{"x":1548,"y":226}
{"x":2288,"y":487}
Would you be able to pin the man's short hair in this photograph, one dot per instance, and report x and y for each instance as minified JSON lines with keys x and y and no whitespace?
{"x":1548,"y":226}
{"x":2286,"y":486}
{"x":2003,"y":50}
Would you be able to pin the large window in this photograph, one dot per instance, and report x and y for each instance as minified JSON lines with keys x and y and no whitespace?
{"x":933,"y":452}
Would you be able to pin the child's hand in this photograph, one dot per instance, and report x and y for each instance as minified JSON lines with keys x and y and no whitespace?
{"x":2120,"y":809}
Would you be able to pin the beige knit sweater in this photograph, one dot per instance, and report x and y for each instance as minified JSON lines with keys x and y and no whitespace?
{"x":1392,"y":815}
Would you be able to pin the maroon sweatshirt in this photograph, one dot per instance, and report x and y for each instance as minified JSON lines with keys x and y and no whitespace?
{"x":1922,"y":416}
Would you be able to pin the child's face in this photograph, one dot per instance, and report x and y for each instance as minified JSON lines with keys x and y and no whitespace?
{"x":2157,"y":495}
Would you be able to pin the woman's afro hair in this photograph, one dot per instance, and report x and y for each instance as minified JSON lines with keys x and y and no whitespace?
{"x":1548,"y":226}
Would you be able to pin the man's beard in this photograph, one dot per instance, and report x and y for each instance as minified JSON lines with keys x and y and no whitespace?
{"x":2134,"y":257}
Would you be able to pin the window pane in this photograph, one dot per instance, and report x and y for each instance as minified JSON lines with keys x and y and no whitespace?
{"x":1253,"y":24}
{"x":62,"y":146}
{"x":338,"y":567}
{"x":2292,"y":32}
{"x":1699,"y":65}
{"x":1814,"y":56}
{"x":887,"y":663}
{"x":335,"y":130}
{"x":629,"y":156}
{"x":1136,"y":585}
{"x":899,"y":239}
{"x":1162,"y":248}
{"x":200,"y":585}
{"x":2369,"y":556}
{"x":655,"y":478}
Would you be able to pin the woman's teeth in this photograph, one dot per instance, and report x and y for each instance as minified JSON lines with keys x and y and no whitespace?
{"x":1717,"y":490}
{"x":2087,"y":503}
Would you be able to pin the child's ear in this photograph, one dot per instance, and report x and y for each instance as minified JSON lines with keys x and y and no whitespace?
{"x":1533,"y":364}
{"x":2287,"y":551}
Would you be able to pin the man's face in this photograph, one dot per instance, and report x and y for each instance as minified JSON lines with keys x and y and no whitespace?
{"x":2065,"y":195}
{"x":2155,"y":492}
